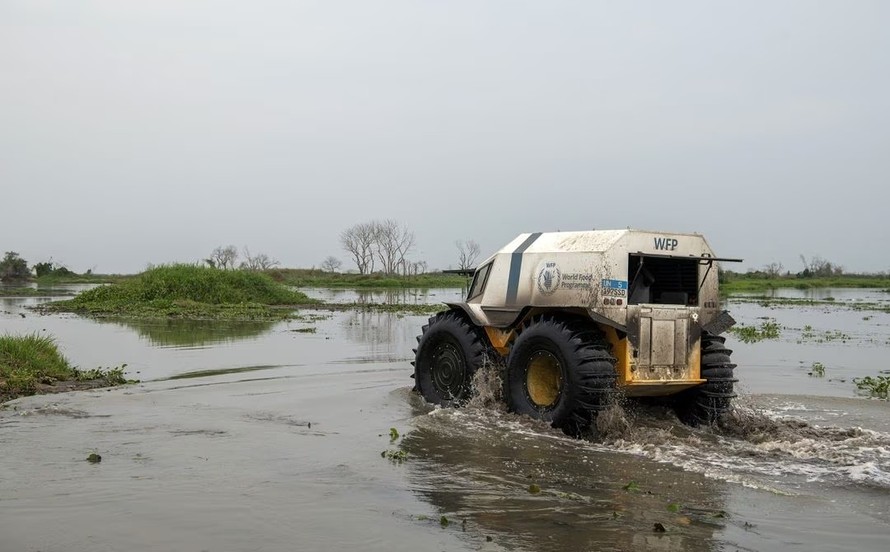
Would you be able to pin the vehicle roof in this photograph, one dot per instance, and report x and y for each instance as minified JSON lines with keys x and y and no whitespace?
{"x":581,"y":241}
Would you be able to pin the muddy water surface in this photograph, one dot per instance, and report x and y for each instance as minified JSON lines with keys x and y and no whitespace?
{"x":270,"y":438}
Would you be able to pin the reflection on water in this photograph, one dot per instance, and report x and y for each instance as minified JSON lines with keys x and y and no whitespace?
{"x":822,"y":294}
{"x":193,"y":333}
{"x":390,"y":296}
{"x":377,"y":328}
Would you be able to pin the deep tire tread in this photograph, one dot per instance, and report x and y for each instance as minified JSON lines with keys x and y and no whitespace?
{"x":591,"y":378}
{"x":708,"y":402}
{"x":454,"y":325}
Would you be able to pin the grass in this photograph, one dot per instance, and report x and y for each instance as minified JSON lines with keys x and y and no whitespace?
{"x":318,"y":278}
{"x":189,"y":291}
{"x":781,"y":302}
{"x":29,"y":361}
{"x":742,"y":283}
{"x":72,"y":278}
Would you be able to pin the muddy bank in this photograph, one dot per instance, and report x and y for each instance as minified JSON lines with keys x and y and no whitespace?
{"x":54,"y":388}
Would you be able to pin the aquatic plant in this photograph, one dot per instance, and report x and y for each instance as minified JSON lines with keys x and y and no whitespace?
{"x":878,"y":386}
{"x":817,"y":370}
{"x":396,"y":456}
{"x":769,"y":329}
{"x":112,"y":376}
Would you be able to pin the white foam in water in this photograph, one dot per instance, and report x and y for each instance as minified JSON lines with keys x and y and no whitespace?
{"x":772,"y":452}
{"x":831,"y":455}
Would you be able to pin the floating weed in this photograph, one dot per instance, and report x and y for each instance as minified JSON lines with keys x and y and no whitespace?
{"x":810,"y":334}
{"x":631,"y":487}
{"x":94,"y":458}
{"x":817,"y":370}
{"x":112,"y":376}
{"x":443,"y":521}
{"x":769,"y":329}
{"x":878,"y":386}
{"x":393,"y":434}
{"x":396,"y":456}
{"x":534,"y":488}
{"x":673,"y":507}
{"x":310,"y":329}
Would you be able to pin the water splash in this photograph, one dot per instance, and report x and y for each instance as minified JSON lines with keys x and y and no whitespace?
{"x":488,"y":386}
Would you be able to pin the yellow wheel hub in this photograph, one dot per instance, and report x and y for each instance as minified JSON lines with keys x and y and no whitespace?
{"x":543,"y":379}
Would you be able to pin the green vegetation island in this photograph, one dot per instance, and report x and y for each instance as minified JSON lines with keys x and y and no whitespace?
{"x":188,"y":291}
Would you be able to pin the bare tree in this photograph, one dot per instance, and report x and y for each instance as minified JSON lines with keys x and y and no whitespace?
{"x":468,"y":254}
{"x":773,"y":270}
{"x":386,"y":242}
{"x":331,"y":264}
{"x":392,"y":243}
{"x":223,"y":257}
{"x":820,"y":268}
{"x":358,"y":241}
{"x":404,"y":242}
{"x":260,"y":261}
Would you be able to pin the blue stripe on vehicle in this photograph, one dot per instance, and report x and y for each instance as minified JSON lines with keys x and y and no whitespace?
{"x":516,"y":267}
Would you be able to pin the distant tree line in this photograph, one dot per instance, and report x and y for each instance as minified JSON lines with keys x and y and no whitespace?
{"x":14,"y":268}
{"x":814,"y":267}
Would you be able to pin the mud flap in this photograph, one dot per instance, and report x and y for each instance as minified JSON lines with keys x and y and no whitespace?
{"x":719,"y":324}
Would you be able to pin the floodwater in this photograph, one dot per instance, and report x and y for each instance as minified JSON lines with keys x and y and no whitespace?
{"x":269,"y":437}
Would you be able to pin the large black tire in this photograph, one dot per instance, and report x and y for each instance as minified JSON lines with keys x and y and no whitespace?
{"x":710,"y":401}
{"x":560,"y":371}
{"x":449,"y":351}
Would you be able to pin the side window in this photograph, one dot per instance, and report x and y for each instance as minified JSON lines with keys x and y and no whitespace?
{"x":478,"y":285}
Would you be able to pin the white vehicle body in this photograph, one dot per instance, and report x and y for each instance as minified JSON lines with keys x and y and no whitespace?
{"x":652,"y":294}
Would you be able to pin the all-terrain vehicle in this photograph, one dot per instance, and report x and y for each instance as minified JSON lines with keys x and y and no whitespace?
{"x":579,"y":316}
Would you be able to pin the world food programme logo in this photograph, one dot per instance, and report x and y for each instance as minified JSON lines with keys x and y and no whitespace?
{"x":549,"y":278}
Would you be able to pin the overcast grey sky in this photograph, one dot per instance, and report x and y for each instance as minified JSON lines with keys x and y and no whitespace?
{"x":153,"y":131}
